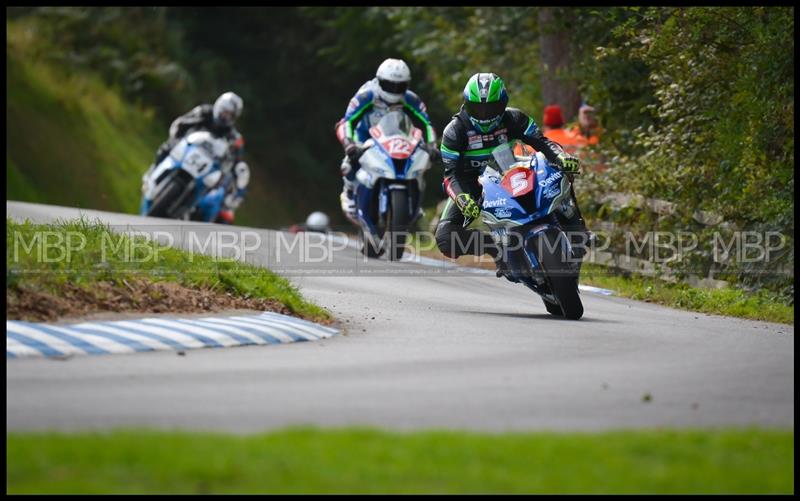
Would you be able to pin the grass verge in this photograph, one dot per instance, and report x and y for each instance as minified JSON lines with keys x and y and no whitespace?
{"x":728,"y":301}
{"x":307,"y":460}
{"x":60,"y":259}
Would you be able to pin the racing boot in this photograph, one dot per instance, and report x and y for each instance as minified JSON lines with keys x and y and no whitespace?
{"x":347,"y":199}
{"x":503,"y":270}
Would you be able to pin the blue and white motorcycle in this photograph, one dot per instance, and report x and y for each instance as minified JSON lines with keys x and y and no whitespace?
{"x":190,"y":182}
{"x":521,"y":198}
{"x":389,"y":193}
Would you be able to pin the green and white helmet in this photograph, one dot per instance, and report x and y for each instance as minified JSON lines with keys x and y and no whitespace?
{"x":485,"y":100}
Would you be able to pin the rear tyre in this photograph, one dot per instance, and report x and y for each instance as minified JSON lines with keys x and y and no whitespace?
{"x":397,"y":227}
{"x":167,"y":199}
{"x":563,"y":278}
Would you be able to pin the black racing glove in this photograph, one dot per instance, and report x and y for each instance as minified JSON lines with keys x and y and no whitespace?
{"x":433,"y":152}
{"x":353,"y":152}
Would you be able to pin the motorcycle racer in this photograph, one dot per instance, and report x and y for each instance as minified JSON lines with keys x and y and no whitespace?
{"x":483,"y":123}
{"x":386,"y":92}
{"x":219,"y":119}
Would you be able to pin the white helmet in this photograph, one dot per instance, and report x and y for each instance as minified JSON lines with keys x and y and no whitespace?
{"x":227,"y":109}
{"x":317,"y":221}
{"x":393,"y":77}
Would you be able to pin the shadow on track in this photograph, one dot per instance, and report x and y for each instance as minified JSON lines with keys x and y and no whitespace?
{"x":540,"y":316}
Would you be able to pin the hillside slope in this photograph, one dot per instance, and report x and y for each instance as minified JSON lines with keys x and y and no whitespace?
{"x":71,"y":140}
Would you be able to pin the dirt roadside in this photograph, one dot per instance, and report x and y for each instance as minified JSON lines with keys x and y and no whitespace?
{"x":123,"y":298}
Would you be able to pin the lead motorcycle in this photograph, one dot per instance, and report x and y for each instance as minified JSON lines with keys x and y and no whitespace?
{"x":521,"y":198}
{"x":190,"y":182}
{"x":390,"y":185}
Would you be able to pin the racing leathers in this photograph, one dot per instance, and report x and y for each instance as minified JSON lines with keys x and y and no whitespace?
{"x":364,"y":111}
{"x":465,"y":152}
{"x":201,"y":118}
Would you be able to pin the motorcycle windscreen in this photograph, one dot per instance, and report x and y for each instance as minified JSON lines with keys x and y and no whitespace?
{"x":396,"y":135}
{"x":395,"y":123}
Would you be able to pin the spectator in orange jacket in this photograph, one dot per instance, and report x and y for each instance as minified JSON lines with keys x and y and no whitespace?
{"x":587,"y":132}
{"x":553,"y":129}
{"x":553,"y":122}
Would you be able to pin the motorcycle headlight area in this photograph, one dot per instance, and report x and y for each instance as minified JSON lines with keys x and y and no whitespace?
{"x":374,"y":165}
{"x":420,"y":162}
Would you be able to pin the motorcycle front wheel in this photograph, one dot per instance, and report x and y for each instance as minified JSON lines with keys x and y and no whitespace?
{"x":370,"y":248}
{"x":166,"y":201}
{"x":561,"y":275}
{"x":553,"y":308}
{"x":398,"y":221}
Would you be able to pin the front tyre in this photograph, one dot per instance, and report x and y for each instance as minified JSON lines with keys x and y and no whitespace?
{"x":369,"y":247}
{"x":398,"y":221}
{"x":554,"y":257}
{"x":553,"y":308}
{"x":166,"y":201}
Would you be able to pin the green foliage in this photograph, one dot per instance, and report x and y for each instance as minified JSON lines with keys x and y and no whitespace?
{"x":71,"y":139}
{"x":131,"y":48}
{"x":353,"y":460}
{"x":715,"y":91}
{"x":456,"y":42}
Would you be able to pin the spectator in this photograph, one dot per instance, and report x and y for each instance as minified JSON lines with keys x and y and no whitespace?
{"x":553,"y":129}
{"x":587,"y":132}
{"x":586,"y":135}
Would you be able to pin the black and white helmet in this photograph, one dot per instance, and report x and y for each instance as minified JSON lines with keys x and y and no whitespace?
{"x":393,"y":77}
{"x":227,"y":109}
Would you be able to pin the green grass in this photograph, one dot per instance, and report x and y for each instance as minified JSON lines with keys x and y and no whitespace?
{"x":728,"y":301}
{"x":71,"y":139}
{"x":96,"y":253}
{"x":307,"y":460}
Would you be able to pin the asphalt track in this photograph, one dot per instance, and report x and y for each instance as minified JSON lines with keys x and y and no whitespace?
{"x":425,"y":348}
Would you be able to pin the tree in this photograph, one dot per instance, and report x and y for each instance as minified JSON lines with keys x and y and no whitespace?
{"x":558,"y":85}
